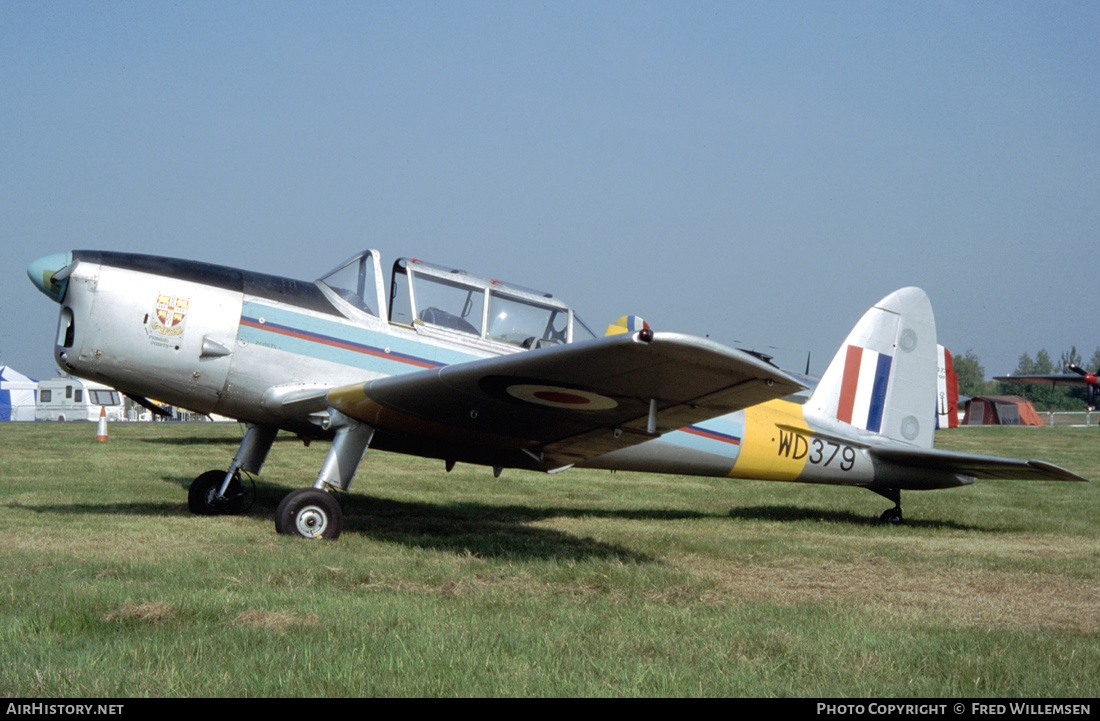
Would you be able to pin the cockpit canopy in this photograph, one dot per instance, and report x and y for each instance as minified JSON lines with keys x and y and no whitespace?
{"x":439,"y":301}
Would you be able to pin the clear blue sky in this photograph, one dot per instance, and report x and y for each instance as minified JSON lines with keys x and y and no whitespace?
{"x":759,"y":172}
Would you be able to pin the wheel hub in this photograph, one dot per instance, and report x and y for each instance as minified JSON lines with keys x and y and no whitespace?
{"x":311,"y":521}
{"x":212,"y":499}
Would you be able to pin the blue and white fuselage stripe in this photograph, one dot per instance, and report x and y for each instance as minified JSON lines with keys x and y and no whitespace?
{"x":718,"y":436}
{"x":315,"y":337}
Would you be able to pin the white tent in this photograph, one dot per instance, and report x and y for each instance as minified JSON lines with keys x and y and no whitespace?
{"x":17,"y":395}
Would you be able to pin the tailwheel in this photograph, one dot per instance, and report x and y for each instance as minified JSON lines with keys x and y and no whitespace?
{"x":203,"y":498}
{"x":309,"y":513}
{"x":892,"y":516}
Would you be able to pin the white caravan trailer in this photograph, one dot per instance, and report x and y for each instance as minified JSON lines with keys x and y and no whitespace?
{"x":74,"y":399}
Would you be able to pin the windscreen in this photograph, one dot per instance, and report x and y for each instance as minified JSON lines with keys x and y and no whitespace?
{"x":355,"y":282}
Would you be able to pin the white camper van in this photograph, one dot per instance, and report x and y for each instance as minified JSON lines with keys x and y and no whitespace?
{"x":73,"y":399}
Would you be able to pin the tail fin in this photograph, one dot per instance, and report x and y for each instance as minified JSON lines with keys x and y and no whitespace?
{"x":947,"y":390}
{"x":883,"y":379}
{"x":626,"y":324}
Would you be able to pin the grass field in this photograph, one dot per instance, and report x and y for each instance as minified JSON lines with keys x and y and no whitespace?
{"x":582,"y":583}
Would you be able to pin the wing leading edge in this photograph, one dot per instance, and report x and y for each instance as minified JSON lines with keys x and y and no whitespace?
{"x":1050,"y":379}
{"x":557,"y":406}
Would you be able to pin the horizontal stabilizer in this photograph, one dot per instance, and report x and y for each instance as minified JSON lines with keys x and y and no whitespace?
{"x":975,"y":466}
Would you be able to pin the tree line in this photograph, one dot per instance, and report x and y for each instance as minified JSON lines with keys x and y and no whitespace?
{"x":972,"y":382}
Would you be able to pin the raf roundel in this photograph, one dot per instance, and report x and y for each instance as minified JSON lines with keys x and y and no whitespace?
{"x":558,"y":397}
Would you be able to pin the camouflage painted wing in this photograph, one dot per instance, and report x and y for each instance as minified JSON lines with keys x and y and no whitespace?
{"x":556,"y":406}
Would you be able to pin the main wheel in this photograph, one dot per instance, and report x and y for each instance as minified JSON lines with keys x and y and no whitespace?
{"x":309,"y":513}
{"x":202,"y":496}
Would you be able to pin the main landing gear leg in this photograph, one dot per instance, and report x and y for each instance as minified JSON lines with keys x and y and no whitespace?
{"x":221,"y":492}
{"x":892,"y":516}
{"x":313,"y":512}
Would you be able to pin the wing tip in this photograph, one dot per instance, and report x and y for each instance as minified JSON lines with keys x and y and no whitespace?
{"x":1061,"y":474}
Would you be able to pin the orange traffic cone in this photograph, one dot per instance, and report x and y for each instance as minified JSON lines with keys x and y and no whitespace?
{"x":101,"y":429}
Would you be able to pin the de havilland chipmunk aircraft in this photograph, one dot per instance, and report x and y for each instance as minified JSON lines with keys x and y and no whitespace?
{"x":468,"y":369}
{"x":1079,"y":377}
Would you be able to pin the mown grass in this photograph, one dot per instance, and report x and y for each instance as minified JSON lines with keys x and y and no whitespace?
{"x":581,"y":583}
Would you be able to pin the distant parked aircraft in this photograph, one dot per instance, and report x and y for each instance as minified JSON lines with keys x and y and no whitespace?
{"x":1079,"y":377}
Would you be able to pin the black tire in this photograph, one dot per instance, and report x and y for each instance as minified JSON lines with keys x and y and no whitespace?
{"x":891,"y":517}
{"x":309,"y":513}
{"x":201,"y":495}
